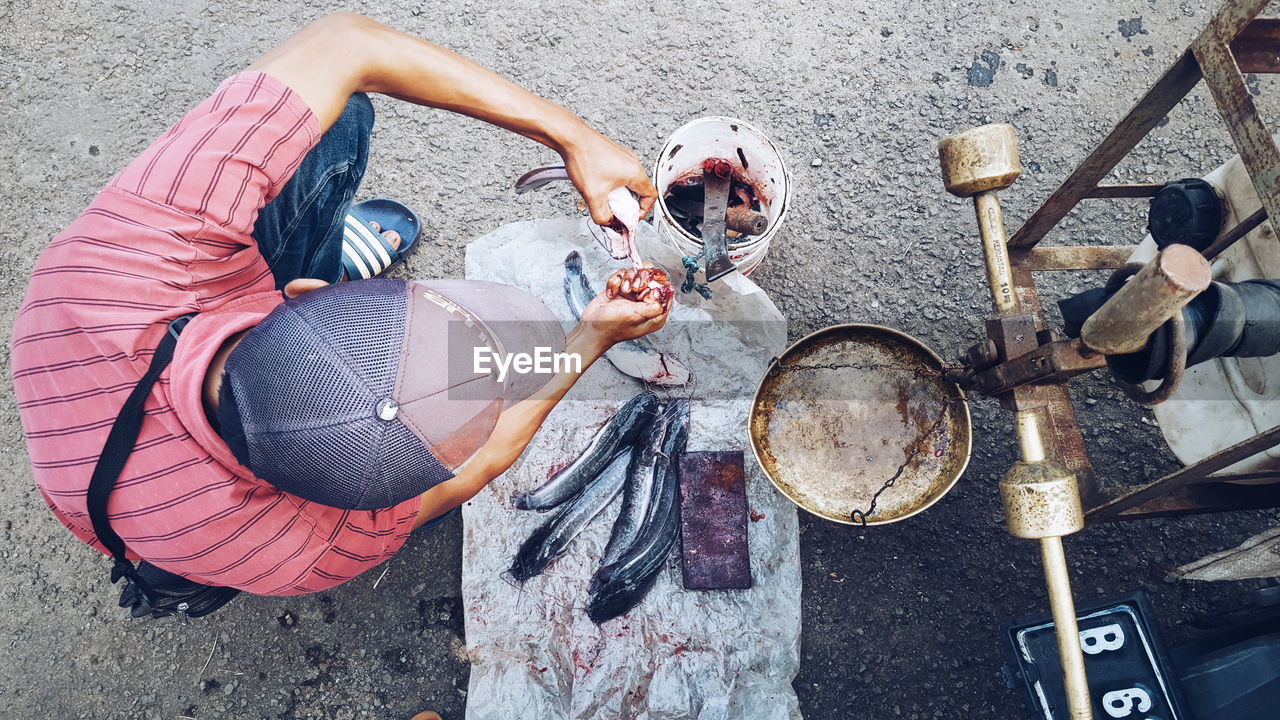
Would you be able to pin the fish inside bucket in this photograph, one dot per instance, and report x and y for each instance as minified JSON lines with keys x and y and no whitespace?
{"x":759,"y":195}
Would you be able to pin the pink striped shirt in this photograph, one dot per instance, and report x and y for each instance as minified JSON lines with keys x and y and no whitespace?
{"x":170,"y":235}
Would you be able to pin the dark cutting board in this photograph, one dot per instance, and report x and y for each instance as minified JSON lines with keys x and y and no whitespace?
{"x":713,"y":521}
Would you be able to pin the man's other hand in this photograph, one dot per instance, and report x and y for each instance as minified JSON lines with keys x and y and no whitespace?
{"x":597,"y":166}
{"x":617,"y":319}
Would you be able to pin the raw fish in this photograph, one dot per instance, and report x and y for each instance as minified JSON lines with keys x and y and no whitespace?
{"x":553,"y":537}
{"x":617,"y":435}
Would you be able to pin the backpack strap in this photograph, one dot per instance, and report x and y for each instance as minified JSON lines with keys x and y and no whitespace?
{"x":116,"y":451}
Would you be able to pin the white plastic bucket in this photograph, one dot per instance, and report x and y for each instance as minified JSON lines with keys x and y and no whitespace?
{"x":751,"y":154}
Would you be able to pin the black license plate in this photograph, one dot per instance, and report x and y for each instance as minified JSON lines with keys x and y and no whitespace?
{"x":1128,"y":673}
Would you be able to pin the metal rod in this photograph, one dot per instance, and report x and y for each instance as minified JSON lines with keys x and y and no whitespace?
{"x":1058,"y":581}
{"x":1258,"y":151}
{"x":1229,"y":238}
{"x":996,"y":250}
{"x":1186,"y":476}
{"x":1199,"y":499}
{"x":1255,"y":47}
{"x":1030,"y":444}
{"x":1070,"y":653}
{"x":1174,"y":85}
{"x":1086,"y":257}
{"x":1132,"y":190}
{"x":1236,"y":477}
{"x":1162,"y":287}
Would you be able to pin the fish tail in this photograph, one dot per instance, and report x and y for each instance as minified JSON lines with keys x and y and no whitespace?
{"x":521,"y":501}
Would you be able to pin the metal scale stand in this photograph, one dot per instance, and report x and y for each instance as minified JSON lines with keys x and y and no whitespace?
{"x":1052,"y":491}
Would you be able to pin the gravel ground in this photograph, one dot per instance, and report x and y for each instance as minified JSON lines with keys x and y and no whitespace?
{"x":899,"y":622}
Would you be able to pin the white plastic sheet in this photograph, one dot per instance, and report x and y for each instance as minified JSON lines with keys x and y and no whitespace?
{"x":680,"y":654}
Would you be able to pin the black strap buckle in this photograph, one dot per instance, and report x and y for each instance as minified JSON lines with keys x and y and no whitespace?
{"x":178,"y":324}
{"x":123,"y":569}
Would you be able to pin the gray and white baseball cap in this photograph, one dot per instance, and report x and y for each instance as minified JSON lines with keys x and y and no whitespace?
{"x":364,"y":394}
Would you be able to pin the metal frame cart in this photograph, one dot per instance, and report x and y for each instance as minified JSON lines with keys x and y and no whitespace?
{"x":1026,"y":363}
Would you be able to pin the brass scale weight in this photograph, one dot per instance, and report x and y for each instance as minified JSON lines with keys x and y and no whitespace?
{"x":1041,"y":497}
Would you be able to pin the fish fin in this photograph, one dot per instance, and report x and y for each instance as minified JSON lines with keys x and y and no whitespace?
{"x":572,"y":264}
{"x":574,"y":276}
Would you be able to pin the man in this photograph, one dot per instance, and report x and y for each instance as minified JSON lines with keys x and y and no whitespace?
{"x":290,"y":445}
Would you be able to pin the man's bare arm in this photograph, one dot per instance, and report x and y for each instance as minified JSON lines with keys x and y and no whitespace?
{"x":515,"y":428}
{"x":342,"y":54}
{"x":604,"y":322}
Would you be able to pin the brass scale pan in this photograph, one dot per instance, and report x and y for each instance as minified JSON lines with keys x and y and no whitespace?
{"x":856,"y":424}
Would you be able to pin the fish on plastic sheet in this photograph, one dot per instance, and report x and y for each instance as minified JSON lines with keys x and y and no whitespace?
{"x":616,"y":435}
{"x":638,"y":493}
{"x":625,"y":582}
{"x":553,"y":537}
{"x":632,"y":357}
